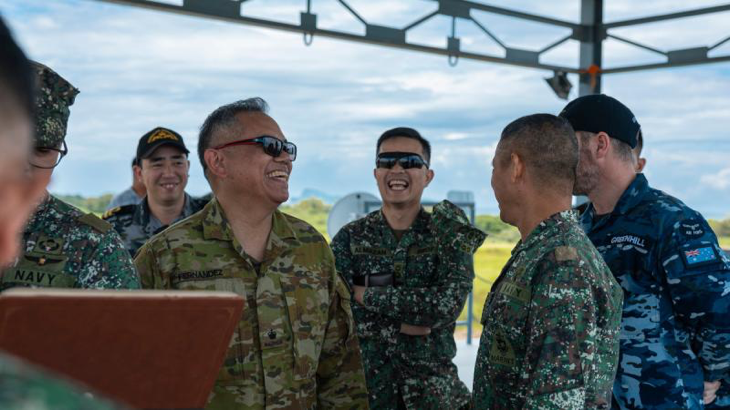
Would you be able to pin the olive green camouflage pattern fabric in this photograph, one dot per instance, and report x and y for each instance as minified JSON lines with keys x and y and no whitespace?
{"x":433,"y":271}
{"x":64,"y":247}
{"x":23,"y":387}
{"x":295,"y":345}
{"x":551,"y":325}
{"x":54,"y":97}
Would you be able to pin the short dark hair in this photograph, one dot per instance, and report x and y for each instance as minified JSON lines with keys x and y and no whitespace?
{"x":547,"y":144}
{"x":17,"y":78}
{"x":639,"y":143}
{"x":405,"y":132}
{"x":224,"y":117}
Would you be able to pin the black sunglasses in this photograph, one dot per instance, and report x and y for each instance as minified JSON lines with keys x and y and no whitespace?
{"x":406,"y":160}
{"x":271,"y":145}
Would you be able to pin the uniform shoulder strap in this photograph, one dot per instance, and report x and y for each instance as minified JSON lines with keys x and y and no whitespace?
{"x":95,"y":222}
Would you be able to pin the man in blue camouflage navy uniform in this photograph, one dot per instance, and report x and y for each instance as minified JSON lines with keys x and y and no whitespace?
{"x":411,"y":272}
{"x":62,"y":246}
{"x":163,"y":166}
{"x":675,"y":329}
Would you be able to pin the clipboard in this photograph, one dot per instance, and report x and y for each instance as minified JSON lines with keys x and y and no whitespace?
{"x":146,"y":349}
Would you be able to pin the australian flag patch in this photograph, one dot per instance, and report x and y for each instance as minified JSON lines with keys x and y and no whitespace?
{"x":700,"y":256}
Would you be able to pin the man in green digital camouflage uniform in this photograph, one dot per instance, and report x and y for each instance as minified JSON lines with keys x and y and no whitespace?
{"x":411,"y":273}
{"x":62,"y":246}
{"x":23,"y":387}
{"x":295,"y":345}
{"x":551,"y":321}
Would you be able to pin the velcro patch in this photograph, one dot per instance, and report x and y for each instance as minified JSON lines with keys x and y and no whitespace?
{"x":96,"y":223}
{"x":700,"y":256}
{"x":369,"y":250}
{"x":515,"y":292}
{"x":565,"y":253}
{"x":692,"y":229}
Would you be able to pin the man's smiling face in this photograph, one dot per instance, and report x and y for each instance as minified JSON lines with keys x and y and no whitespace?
{"x":400,"y":186}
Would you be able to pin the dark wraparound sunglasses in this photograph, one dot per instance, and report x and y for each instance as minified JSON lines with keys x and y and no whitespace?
{"x":406,"y":160}
{"x":271,"y":145}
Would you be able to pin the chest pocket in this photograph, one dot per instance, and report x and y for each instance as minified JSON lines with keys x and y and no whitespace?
{"x":241,"y":359}
{"x":307,"y":304}
{"x":39,"y":269}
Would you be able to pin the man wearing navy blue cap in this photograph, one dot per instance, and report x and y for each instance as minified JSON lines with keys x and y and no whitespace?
{"x":675,"y":328}
{"x":163,"y":166}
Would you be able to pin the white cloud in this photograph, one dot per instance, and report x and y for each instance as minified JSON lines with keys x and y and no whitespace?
{"x":719,"y":180}
{"x":138,"y":69}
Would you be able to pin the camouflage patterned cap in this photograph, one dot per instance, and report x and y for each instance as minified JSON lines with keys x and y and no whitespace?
{"x":55,"y":95}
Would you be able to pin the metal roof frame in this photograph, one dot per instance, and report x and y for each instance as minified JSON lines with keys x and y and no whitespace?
{"x":590,"y":32}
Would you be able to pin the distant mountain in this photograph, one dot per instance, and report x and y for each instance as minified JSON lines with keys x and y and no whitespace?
{"x":314,"y":193}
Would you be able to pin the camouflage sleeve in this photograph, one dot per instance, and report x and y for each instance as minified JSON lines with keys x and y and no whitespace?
{"x":340,"y":376}
{"x":560,"y":335}
{"x":367,"y":322}
{"x":698,"y":277}
{"x":434,"y":306}
{"x":146,"y":264}
{"x":111,"y":265}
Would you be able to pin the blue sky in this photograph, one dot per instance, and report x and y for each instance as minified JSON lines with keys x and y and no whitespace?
{"x":137,"y":69}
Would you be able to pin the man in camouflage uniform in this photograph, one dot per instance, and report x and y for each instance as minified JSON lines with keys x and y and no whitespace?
{"x":163,"y":167}
{"x":21,"y":386}
{"x":295,"y":345}
{"x":411,"y":272}
{"x":63,"y":246}
{"x":675,"y":330}
{"x":551,"y":321}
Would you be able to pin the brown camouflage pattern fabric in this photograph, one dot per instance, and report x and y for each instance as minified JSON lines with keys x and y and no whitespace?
{"x":295,"y":346}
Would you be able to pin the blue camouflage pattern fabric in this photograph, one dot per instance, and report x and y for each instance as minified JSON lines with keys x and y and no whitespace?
{"x":295,"y":346}
{"x":432,"y":268}
{"x":64,"y":247}
{"x":675,"y":329}
{"x":24,"y":387}
{"x":551,"y":323}
{"x":136,"y":224}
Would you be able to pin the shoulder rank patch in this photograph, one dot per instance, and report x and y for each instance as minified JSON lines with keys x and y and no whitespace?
{"x":96,"y":223}
{"x":120,"y":210}
{"x":700,"y":256}
{"x":565,"y":253}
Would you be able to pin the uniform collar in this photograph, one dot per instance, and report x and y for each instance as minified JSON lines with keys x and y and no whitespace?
{"x":419,"y":225}
{"x":42,"y":209}
{"x":143,"y":214}
{"x":628,"y":200}
{"x":216,"y":226}
{"x":547,"y":228}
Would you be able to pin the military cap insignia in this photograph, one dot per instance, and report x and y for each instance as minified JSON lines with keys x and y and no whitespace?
{"x":162,"y":134}
{"x":55,"y":96}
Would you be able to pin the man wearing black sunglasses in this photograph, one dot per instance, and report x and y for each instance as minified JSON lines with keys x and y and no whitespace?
{"x":411,"y":272}
{"x":294,"y":347}
{"x":64,"y":247}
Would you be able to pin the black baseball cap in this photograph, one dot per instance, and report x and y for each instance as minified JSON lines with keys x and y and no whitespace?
{"x":156,"y":138}
{"x":599,"y":112}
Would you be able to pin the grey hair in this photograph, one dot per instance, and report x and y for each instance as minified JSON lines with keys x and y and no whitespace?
{"x":224,"y":117}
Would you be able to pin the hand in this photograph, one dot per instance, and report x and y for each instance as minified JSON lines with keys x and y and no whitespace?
{"x":710,"y":391}
{"x":359,"y":293}
{"x":412,"y":330}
